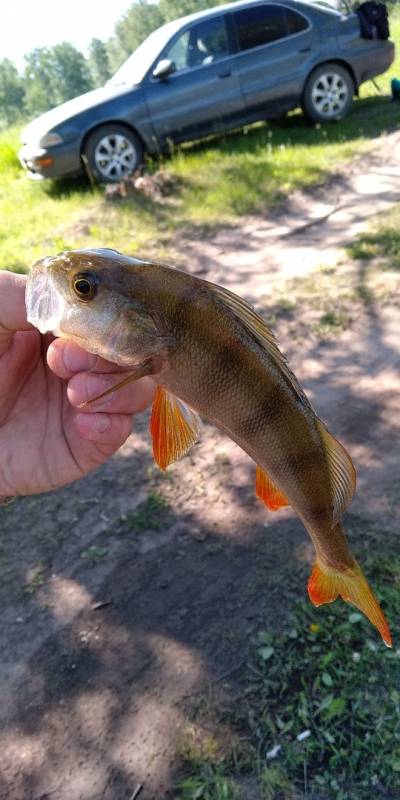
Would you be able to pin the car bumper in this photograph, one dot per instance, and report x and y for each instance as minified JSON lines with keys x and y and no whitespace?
{"x":51,"y":162}
{"x":379,"y":60}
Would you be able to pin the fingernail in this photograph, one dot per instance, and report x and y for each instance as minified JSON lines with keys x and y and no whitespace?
{"x":76,"y":360}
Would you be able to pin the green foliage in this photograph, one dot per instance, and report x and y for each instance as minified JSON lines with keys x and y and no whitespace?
{"x":381,"y":241}
{"x":143,"y":17}
{"x":149,"y":515}
{"x":54,"y":75}
{"x":9,"y":164}
{"x":132,"y":28}
{"x":11,"y":92}
{"x":99,"y":62}
{"x":319,"y":704}
{"x":210,"y":784}
{"x":94,"y":554}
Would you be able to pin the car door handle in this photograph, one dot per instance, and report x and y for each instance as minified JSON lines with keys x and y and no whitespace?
{"x":305,"y":50}
{"x":224,"y":75}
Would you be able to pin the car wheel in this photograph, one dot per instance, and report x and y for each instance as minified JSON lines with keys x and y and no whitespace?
{"x":328,"y":93}
{"x":114,"y":152}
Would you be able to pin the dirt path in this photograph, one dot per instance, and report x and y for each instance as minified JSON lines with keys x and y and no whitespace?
{"x":127,"y":592}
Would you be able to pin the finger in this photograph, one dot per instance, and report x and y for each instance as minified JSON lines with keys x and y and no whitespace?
{"x":12,"y":307}
{"x":129,"y":399}
{"x":107,"y":431}
{"x":65,"y":358}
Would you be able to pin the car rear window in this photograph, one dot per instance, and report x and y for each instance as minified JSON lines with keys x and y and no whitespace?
{"x":259,"y":25}
{"x":295,"y":22}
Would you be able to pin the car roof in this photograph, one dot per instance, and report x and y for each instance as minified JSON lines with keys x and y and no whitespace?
{"x":302,"y":5}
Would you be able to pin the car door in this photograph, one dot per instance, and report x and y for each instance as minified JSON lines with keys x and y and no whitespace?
{"x":274,"y":45}
{"x":203,"y":91}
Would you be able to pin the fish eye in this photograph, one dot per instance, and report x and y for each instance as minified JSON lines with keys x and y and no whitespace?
{"x":85,"y":286}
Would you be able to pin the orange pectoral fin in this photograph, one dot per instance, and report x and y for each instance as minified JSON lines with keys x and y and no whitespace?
{"x":325,"y":585}
{"x":174,"y":427}
{"x":267,"y":491}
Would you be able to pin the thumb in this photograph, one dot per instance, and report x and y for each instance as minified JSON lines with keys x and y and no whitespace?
{"x":12,"y":308}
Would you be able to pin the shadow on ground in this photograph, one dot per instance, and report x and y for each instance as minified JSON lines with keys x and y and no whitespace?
{"x":132,"y":590}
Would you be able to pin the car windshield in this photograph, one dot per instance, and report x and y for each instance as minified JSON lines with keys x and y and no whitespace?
{"x":135,"y":67}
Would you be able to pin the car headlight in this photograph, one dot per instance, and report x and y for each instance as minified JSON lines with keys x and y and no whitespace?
{"x":50,"y":139}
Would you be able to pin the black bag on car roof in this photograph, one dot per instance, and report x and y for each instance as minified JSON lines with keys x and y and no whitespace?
{"x":374,"y":21}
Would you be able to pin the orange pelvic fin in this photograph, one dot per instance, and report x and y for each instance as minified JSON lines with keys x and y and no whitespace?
{"x":174,"y":427}
{"x":268,"y":492}
{"x":325,"y":585}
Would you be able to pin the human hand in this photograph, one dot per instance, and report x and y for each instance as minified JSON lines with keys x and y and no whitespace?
{"x":45,"y":440}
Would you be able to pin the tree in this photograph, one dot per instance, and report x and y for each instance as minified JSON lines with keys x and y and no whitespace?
{"x":53,"y":75}
{"x":12,"y":91}
{"x":133,"y":27}
{"x":142,"y":18}
{"x":98,"y":62}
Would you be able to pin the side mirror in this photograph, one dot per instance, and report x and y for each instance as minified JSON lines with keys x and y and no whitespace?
{"x":164,"y":68}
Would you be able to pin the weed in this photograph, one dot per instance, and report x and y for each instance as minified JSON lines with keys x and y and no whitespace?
{"x":94,"y":554}
{"x":331,"y":322}
{"x":152,"y":514}
{"x":210,"y":784}
{"x":381,"y":241}
{"x":36,"y":579}
{"x":324,"y":694}
{"x":274,"y":785}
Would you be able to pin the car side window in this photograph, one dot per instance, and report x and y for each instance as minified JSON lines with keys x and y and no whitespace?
{"x":295,"y":22}
{"x":203,"y":43}
{"x":259,"y":25}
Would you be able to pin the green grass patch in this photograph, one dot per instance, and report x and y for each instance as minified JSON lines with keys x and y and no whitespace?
{"x":317,"y":711}
{"x":328,"y":300}
{"x":94,"y":554}
{"x":381,"y":241}
{"x":217,"y":180}
{"x":153,"y":514}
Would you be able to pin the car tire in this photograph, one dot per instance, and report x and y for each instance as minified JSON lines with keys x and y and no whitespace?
{"x":113,"y":153}
{"x":328,"y":93}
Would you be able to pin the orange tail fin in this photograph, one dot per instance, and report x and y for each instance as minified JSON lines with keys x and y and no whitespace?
{"x":325,"y":585}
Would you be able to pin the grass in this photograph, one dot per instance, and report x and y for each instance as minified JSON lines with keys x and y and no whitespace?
{"x":218,"y":181}
{"x":328,"y":300}
{"x":317,"y":713}
{"x":94,"y":554}
{"x":381,"y":243}
{"x":152,"y":514}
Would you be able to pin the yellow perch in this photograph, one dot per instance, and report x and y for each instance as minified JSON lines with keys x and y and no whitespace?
{"x":211,"y":355}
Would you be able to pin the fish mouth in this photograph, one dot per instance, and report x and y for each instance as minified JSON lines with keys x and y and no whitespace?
{"x":45,"y":306}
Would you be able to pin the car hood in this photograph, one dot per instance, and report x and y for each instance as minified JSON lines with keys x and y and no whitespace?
{"x":50,"y":119}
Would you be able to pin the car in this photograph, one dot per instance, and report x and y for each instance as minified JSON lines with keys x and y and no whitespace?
{"x":205,"y":73}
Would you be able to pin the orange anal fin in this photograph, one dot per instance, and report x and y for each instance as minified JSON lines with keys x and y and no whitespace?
{"x":268,"y":492}
{"x":174,"y":427}
{"x":325,"y":585}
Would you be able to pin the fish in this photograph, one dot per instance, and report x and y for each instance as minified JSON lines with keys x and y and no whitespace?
{"x":213,"y":357}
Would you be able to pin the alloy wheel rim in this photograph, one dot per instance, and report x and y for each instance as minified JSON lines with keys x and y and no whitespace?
{"x":329,"y":95}
{"x":115,"y":156}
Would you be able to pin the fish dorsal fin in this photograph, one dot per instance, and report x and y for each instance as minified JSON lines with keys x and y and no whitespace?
{"x":268,"y":492}
{"x":174,"y":427}
{"x":259,"y":331}
{"x":341,"y":470}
